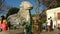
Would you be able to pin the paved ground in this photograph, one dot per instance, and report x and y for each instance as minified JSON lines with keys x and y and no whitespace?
{"x":49,"y":33}
{"x":20,"y":32}
{"x":52,"y":32}
{"x":4,"y":32}
{"x":16,"y":32}
{"x":12,"y":32}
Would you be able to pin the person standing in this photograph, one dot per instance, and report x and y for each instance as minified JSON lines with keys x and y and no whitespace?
{"x":4,"y":26}
{"x":51,"y":24}
{"x":48,"y":24}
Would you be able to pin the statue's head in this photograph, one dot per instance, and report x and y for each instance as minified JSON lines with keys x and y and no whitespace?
{"x":26,"y":5}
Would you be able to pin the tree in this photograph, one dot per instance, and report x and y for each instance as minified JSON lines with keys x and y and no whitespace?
{"x":1,"y":3}
{"x":43,"y":16}
{"x":33,"y":15}
{"x":12,"y":11}
{"x":58,"y":3}
{"x":49,"y":4}
{"x":3,"y":6}
{"x":38,"y":18}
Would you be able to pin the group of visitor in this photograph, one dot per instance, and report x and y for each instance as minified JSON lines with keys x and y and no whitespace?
{"x":50,"y":24}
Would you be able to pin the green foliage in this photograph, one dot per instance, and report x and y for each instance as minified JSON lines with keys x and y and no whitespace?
{"x":58,"y":3}
{"x":1,"y":2}
{"x":33,"y":15}
{"x":43,"y":20}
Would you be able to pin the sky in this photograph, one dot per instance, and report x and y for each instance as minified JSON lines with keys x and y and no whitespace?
{"x":16,"y":3}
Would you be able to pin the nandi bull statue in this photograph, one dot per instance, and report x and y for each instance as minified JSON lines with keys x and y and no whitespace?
{"x":23,"y":14}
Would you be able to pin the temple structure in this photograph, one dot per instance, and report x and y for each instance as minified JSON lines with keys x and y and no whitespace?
{"x":23,"y":17}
